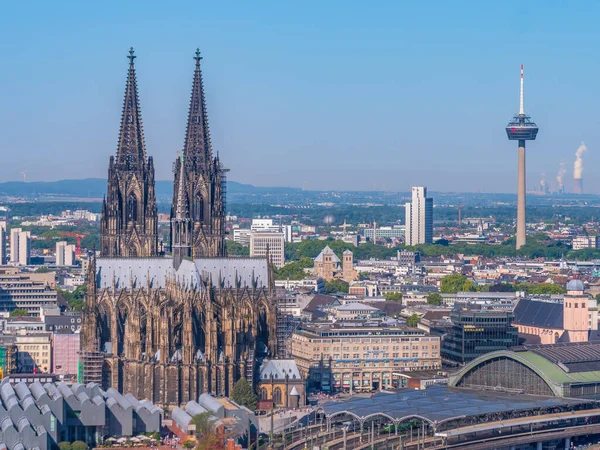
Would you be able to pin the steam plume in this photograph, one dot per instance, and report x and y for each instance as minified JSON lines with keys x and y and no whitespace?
{"x":578,"y":166}
{"x":561,"y":175}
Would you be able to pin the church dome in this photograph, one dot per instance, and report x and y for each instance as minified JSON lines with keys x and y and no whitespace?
{"x":575,"y":285}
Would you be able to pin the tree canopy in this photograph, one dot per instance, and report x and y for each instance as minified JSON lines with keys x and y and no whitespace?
{"x":334,"y":286}
{"x":79,"y":445}
{"x":236,"y":249}
{"x":435,"y":299}
{"x":451,"y":284}
{"x":203,"y":422}
{"x":294,"y":270}
{"x":541,"y":289}
{"x":244,"y":395}
{"x":394,"y":297}
{"x":75,"y":298}
{"x":413,"y":320}
{"x":19,"y":312}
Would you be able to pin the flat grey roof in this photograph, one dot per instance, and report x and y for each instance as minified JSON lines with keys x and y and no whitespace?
{"x":440,"y":403}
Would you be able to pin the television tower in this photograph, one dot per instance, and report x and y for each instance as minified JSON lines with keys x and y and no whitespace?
{"x":521,"y":128}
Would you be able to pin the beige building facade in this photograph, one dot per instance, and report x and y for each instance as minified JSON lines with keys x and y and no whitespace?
{"x":268,"y":242}
{"x":34,"y":351}
{"x":334,"y":358}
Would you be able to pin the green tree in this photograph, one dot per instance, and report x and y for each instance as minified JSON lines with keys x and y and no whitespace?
{"x":79,"y":445}
{"x":203,"y":422}
{"x":237,"y":249}
{"x":394,"y":297}
{"x":19,"y":312}
{"x":42,"y":269}
{"x":294,"y":270}
{"x":451,"y":284}
{"x":244,"y":395}
{"x":597,"y":298}
{"x":502,"y":287}
{"x":333,"y":286}
{"x":64,"y":445}
{"x":435,"y":299}
{"x":413,"y":321}
{"x":541,"y":289}
{"x":75,"y":298}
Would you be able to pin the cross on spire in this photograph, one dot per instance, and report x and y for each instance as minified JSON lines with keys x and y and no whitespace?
{"x":198,"y":57}
{"x":131,"y":56}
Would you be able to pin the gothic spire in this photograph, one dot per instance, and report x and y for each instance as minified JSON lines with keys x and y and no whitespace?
{"x":197,"y":148}
{"x":181,"y":208}
{"x":131,"y":151}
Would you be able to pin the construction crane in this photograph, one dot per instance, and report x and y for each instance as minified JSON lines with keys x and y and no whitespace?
{"x":75,"y":235}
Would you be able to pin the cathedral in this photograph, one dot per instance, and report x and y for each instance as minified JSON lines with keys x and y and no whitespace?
{"x":171,"y":327}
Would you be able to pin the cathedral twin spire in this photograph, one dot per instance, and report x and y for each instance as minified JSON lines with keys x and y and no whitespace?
{"x":199,"y":181}
{"x":129,"y":214}
{"x":131,"y":151}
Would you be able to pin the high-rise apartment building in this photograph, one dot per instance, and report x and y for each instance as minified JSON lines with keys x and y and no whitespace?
{"x":3,"y":259}
{"x":20,"y":247}
{"x":65,"y":254}
{"x":273,"y":242}
{"x":419,"y":218}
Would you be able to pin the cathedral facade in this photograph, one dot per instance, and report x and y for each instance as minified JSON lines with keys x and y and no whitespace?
{"x":168,"y":328}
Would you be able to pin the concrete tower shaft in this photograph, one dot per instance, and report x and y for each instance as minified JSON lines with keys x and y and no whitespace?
{"x":521,"y":128}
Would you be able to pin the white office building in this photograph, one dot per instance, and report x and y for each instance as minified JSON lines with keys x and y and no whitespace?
{"x":241,"y":236}
{"x":419,"y":218}
{"x":65,"y":254}
{"x":583,"y":242}
{"x":20,"y":247}
{"x":274,"y":241}
{"x":268,"y":225}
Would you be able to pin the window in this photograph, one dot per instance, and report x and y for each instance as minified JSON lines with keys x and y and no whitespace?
{"x":277,"y":396}
{"x":263,"y":394}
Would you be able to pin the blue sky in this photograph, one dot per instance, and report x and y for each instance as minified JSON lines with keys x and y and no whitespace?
{"x":323,"y":95}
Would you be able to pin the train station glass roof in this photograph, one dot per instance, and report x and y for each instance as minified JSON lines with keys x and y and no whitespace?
{"x":440,"y":403}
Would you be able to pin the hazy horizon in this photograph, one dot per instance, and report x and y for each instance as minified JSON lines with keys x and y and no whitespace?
{"x":336,"y":96}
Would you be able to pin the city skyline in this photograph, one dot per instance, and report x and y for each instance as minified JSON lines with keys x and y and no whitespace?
{"x":352,"y":88}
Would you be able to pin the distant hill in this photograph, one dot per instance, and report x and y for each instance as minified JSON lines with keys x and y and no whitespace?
{"x":96,"y":188}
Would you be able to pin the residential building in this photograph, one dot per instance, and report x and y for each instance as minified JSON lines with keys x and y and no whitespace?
{"x":30,"y":291}
{"x":406,"y":258}
{"x":20,"y":247}
{"x":242,"y":236}
{"x":583,"y":242}
{"x":3,"y":255}
{"x":335,"y":357}
{"x":69,"y":322}
{"x":394,"y":232}
{"x":34,"y":351}
{"x":65,"y":354}
{"x":269,"y":242}
{"x":419,"y":218}
{"x":353,"y":311}
{"x":476,"y":330}
{"x":65,"y":254}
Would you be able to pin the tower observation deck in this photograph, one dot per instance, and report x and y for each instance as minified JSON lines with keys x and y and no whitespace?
{"x":521,"y":128}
